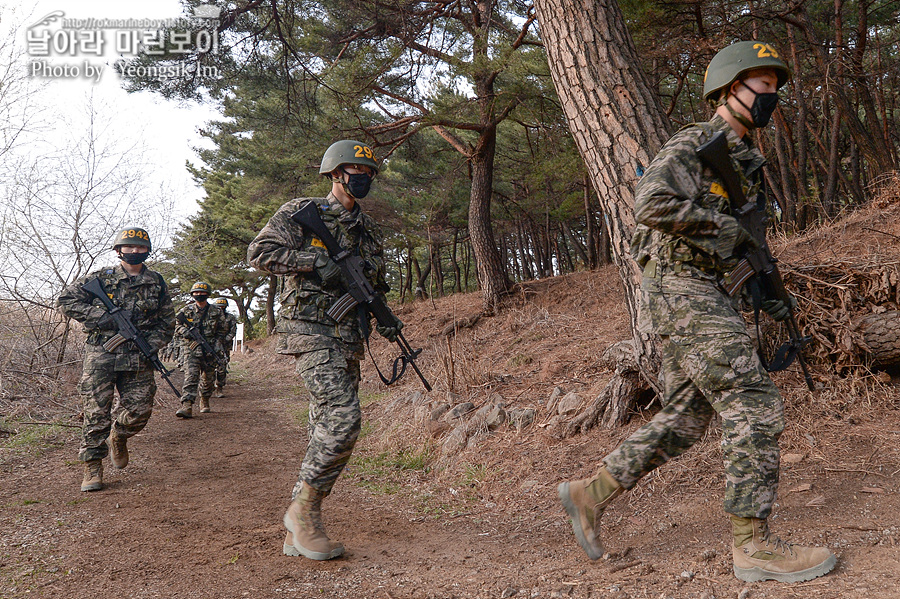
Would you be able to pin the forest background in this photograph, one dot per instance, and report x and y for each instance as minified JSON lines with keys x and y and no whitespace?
{"x":482,"y":185}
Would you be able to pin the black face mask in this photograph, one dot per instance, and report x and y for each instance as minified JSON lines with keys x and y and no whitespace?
{"x":134,"y":259}
{"x":762,"y":108}
{"x":358,"y":185}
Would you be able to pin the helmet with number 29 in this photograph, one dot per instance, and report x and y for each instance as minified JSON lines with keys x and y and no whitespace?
{"x":734,"y":61}
{"x":347,"y":152}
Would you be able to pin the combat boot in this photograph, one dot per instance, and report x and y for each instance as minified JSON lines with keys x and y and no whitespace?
{"x":93,"y":476}
{"x":186,"y":410}
{"x":585,"y":501}
{"x":219,"y":391}
{"x":118,"y":450}
{"x":760,"y":555}
{"x":204,"y":405}
{"x":307,"y":533}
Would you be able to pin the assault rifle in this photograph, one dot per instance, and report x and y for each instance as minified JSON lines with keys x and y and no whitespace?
{"x":195,"y":334}
{"x":755,"y":262}
{"x":359,"y":291}
{"x":126,"y":331}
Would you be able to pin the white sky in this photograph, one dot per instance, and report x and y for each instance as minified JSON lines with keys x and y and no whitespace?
{"x":166,"y":131}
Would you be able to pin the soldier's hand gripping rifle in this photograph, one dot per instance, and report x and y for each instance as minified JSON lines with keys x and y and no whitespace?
{"x":359,"y":290}
{"x":757,"y":261}
{"x":126,"y":331}
{"x":195,"y":334}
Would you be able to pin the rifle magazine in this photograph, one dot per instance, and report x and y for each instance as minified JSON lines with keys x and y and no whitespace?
{"x":732,"y":281}
{"x":341,"y":307}
{"x":114,"y":342}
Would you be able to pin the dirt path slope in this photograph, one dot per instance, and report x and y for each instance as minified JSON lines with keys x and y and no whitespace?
{"x":197,"y":513}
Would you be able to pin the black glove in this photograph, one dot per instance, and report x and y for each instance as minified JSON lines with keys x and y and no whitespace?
{"x":328,"y":271}
{"x":777,"y":309}
{"x":107,"y":321}
{"x":390,"y":333}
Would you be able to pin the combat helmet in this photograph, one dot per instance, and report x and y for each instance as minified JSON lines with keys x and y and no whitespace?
{"x":733,"y":61}
{"x":201,"y":287}
{"x":221,"y":301}
{"x":132,"y":236}
{"x":347,"y":151}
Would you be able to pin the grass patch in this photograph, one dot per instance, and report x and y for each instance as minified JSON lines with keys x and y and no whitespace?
{"x":381,"y":473}
{"x":518,"y":360}
{"x":367,"y":398}
{"x":34,"y":437}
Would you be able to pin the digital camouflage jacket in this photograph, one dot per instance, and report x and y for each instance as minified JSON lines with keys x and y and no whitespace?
{"x":685,"y":227}
{"x":283,"y":248}
{"x":230,"y":330}
{"x":145,"y":295}
{"x":212,"y":325}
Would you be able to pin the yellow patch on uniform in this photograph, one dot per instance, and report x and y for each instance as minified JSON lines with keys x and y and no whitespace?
{"x":316,"y":242}
{"x":718,"y":190}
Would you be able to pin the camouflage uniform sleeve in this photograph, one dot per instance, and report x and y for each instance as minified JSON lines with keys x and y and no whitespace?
{"x":163,"y":326}
{"x":278,"y":249}
{"x":181,"y":330}
{"x":232,"y":328}
{"x":666,"y":199}
{"x":375,"y":257}
{"x":77,"y":304}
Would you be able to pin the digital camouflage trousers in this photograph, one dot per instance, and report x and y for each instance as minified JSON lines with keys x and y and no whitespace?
{"x":704,"y":375}
{"x":331,"y":376}
{"x":129,"y":415}
{"x":222,"y":371}
{"x":199,"y":377}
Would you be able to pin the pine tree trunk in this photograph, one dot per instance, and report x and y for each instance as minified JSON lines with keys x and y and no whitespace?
{"x":617,"y":123}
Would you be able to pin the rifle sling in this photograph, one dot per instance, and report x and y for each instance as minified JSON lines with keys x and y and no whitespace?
{"x":399,"y":363}
{"x":784,"y":355}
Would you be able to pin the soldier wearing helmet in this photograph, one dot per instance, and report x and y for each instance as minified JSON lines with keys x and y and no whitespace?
{"x":143,"y":295}
{"x":199,"y":365}
{"x":686,"y":241}
{"x":327,"y":352}
{"x":229,"y":333}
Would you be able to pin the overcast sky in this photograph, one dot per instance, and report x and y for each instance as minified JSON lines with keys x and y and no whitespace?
{"x":165,"y":131}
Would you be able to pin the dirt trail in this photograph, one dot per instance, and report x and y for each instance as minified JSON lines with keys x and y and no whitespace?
{"x":197,"y":513}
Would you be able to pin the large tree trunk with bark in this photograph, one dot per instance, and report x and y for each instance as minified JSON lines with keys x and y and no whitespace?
{"x":618,"y":124}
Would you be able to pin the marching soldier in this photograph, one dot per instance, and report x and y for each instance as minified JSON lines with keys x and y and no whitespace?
{"x":687,"y":240}
{"x":199,"y":364}
{"x":230,"y":332}
{"x":327,"y":352}
{"x":143,"y":295}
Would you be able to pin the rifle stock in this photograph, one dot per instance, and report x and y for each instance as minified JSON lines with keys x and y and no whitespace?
{"x":127,"y":331}
{"x":758,"y":261}
{"x":359,"y":289}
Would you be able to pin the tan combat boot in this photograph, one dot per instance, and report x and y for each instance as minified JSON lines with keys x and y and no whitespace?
{"x":93,"y":476}
{"x":204,"y":405}
{"x":118,"y":450}
{"x":760,"y":555}
{"x":220,"y":392}
{"x":185,"y":411}
{"x":304,"y":521}
{"x":585,"y":501}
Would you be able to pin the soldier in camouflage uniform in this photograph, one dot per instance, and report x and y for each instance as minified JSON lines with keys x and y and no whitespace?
{"x":230,"y":331}
{"x":687,"y":240}
{"x":144,"y":295}
{"x":198,"y":365}
{"x":327,"y":353}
